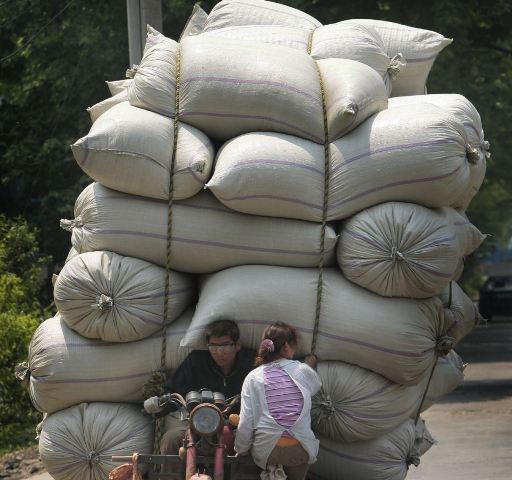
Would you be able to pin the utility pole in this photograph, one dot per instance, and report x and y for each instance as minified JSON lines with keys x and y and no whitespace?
{"x":141,"y":13}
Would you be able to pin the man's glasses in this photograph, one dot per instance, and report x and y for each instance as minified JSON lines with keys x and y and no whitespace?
{"x":217,"y":347}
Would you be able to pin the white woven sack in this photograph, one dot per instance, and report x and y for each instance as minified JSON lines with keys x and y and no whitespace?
{"x":79,"y":442}
{"x":419,"y":47}
{"x":67,"y":369}
{"x":447,"y":376}
{"x":118,"y":299}
{"x":339,"y":40}
{"x":229,"y":87}
{"x":385,"y":458}
{"x":395,"y":337}
{"x":460,"y":311}
{"x":118,"y":86}
{"x":405,"y":250}
{"x":100,"y":108}
{"x":477,"y":148}
{"x":206,"y":236}
{"x":414,"y":153}
{"x":355,"y":404}
{"x":257,"y":12}
{"x":130,"y":150}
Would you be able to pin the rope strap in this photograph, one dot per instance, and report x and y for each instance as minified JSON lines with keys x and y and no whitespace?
{"x":159,"y":378}
{"x":327,"y":175}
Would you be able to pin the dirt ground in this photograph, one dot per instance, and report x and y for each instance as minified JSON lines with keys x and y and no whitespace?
{"x":473,"y":425}
{"x":20,"y":464}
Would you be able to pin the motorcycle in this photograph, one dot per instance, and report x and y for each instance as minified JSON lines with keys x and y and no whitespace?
{"x":207,"y":451}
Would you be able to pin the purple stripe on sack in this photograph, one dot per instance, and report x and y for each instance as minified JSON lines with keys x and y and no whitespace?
{"x":208,"y":243}
{"x":101,"y":343}
{"x":271,"y":197}
{"x":283,"y":85}
{"x":374,"y":347}
{"x":391,"y":149}
{"x":363,"y":460}
{"x":153,"y":108}
{"x":44,"y":379}
{"x":305,"y":133}
{"x":264,"y":161}
{"x":394,"y":184}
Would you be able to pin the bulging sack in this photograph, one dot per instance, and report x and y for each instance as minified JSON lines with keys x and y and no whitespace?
{"x":339,"y":40}
{"x":419,"y":152}
{"x":118,"y":299}
{"x":405,"y":250}
{"x":79,"y":442}
{"x":418,"y":47}
{"x":395,"y":337}
{"x":477,"y":148}
{"x":67,"y":369}
{"x":229,"y":87}
{"x":384,"y":458}
{"x":130,"y":150}
{"x":460,"y":311}
{"x":257,"y":12}
{"x":206,"y":236}
{"x":355,"y":404}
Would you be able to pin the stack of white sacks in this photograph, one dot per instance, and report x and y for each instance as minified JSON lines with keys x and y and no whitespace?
{"x":253,"y":83}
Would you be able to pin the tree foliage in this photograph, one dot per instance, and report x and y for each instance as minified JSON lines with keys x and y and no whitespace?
{"x":21,"y":276}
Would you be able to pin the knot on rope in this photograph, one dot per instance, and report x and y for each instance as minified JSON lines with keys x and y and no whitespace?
{"x":350,"y":109}
{"x":199,"y":166}
{"x":396,"y":254}
{"x":68,"y":225}
{"x":326,"y":404}
{"x":154,"y":386}
{"x":473,"y":154}
{"x":103,"y":302}
{"x":486,"y":147}
{"x":22,"y":372}
{"x":131,"y":72}
{"x":93,"y":457}
{"x":396,"y":65}
{"x":413,"y":459}
{"x":444,"y":345}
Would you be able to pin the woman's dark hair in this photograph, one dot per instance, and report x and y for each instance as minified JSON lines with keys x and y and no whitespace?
{"x":279,"y":333}
{"x":222,"y":328}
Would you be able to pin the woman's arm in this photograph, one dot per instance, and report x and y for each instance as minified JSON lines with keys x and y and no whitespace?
{"x":245,"y":430}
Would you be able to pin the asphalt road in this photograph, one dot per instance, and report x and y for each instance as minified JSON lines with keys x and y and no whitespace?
{"x":473,"y":425}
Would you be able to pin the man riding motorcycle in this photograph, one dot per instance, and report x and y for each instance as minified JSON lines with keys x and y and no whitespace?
{"x":222,"y":368}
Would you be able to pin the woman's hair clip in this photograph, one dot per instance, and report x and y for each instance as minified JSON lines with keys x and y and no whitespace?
{"x":267,"y":345}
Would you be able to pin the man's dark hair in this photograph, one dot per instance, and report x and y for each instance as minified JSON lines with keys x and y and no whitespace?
{"x":223,"y":328}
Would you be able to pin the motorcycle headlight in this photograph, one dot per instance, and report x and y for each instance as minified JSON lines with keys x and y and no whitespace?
{"x":206,"y":419}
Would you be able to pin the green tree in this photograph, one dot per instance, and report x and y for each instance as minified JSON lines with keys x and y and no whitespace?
{"x":21,"y":275}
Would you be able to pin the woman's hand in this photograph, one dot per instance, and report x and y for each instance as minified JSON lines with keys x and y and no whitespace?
{"x":312,"y":360}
